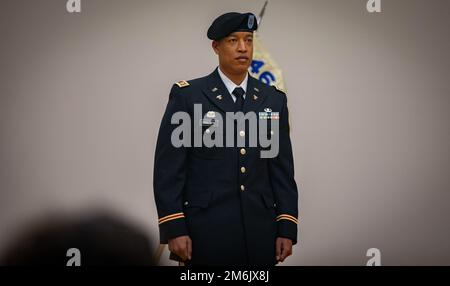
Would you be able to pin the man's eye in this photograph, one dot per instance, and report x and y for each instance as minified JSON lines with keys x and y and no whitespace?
{"x":233,"y":40}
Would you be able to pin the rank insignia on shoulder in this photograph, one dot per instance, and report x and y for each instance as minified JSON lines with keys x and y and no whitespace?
{"x":279,"y":89}
{"x":182,"y":83}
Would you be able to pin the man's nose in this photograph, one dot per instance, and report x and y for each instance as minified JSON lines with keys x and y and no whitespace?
{"x":241,"y":46}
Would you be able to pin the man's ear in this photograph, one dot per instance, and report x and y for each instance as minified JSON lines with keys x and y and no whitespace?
{"x":215,"y":45}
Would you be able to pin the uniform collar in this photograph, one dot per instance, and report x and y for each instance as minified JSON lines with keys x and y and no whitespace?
{"x":216,"y":91}
{"x":230,"y":85}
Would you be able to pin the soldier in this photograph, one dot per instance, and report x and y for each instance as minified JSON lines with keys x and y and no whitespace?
{"x":227,"y":205}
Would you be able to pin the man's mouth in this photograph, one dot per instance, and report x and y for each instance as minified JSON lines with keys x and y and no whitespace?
{"x":242,"y":58}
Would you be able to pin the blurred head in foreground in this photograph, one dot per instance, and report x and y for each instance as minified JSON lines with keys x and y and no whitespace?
{"x":100,"y":239}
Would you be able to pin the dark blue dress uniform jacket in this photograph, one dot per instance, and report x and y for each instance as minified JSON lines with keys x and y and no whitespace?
{"x":232,"y":215}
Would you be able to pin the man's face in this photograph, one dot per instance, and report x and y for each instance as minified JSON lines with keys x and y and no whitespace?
{"x":235,"y":52}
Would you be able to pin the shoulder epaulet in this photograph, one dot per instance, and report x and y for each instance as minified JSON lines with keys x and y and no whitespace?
{"x":279,"y":89}
{"x":182,"y":83}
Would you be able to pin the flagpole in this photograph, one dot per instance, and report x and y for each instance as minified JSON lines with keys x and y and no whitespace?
{"x":261,"y":14}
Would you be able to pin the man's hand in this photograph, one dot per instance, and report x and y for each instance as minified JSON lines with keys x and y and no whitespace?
{"x":181,"y":246}
{"x":283,"y":248}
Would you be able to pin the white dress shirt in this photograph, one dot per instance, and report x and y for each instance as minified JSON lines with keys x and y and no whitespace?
{"x":230,"y":85}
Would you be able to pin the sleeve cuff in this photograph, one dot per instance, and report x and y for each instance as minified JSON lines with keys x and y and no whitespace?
{"x":287,"y":228}
{"x":172,"y":226}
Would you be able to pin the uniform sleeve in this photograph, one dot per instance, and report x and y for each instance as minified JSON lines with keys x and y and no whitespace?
{"x":283,"y":182}
{"x":169,"y":173}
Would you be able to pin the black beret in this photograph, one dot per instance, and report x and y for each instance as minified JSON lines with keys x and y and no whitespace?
{"x":232,"y":22}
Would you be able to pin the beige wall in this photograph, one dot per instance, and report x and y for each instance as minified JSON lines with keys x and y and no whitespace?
{"x":81,"y":97}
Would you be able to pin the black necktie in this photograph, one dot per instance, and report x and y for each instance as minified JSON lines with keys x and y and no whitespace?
{"x":239,"y":93}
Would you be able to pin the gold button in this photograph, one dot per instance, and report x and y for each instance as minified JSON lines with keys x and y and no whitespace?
{"x":243,"y":151}
{"x":242,"y":188}
{"x":208,"y":131}
{"x":242,"y":133}
{"x":242,"y":169}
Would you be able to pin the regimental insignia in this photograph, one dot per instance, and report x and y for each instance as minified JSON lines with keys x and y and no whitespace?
{"x":219,"y":97}
{"x":268,"y":109}
{"x":211,"y":114}
{"x":182,"y":83}
{"x":255,"y":97}
{"x":251,"y":21}
{"x":214,"y":89}
{"x":256,"y":89}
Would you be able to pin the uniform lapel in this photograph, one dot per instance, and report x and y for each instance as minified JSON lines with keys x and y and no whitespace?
{"x":217,"y":93}
{"x":253,"y":95}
